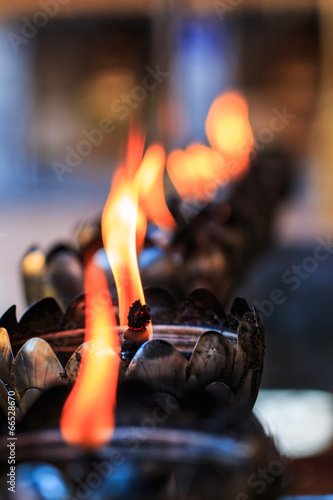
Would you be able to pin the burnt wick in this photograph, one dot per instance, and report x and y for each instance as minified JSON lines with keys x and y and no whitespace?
{"x":136,"y":334}
{"x":139,"y":316}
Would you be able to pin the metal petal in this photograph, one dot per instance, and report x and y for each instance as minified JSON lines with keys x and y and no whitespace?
{"x":247,"y":392}
{"x":64,"y":343}
{"x":74,"y":316}
{"x":33,"y":274}
{"x":162,"y":305}
{"x":212,"y":359}
{"x":201,"y":308}
{"x":37,"y":366}
{"x":161,"y":366}
{"x":27,"y":400}
{"x":64,"y":273}
{"x":240,"y":366}
{"x":251,"y":339}
{"x":8,"y":320}
{"x":95,"y":349}
{"x":41,"y":317}
{"x":3,"y":397}
{"x":260,"y":339}
{"x":222,"y":392}
{"x":6,"y":356}
{"x":239,"y":307}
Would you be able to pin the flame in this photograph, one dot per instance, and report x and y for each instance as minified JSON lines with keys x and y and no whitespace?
{"x":136,"y":142}
{"x":229,"y":131}
{"x":199,"y":171}
{"x":88,"y":415}
{"x":150,"y":183}
{"x":119,"y":228}
{"x":141,"y":228}
{"x":196,"y":172}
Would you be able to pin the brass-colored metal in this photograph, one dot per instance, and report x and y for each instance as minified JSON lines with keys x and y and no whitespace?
{"x":91,"y":348}
{"x":6,"y":356}
{"x":222,"y":392}
{"x":27,"y":400}
{"x":247,"y":391}
{"x":226,"y":362}
{"x":239,"y":367}
{"x":212,"y":359}
{"x":161,"y":366}
{"x":33,"y":274}
{"x":3,"y":397}
{"x":251,"y":340}
{"x":36,"y":366}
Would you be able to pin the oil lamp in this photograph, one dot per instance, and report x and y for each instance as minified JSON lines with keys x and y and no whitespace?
{"x":184,"y":384}
{"x":200,"y":345}
{"x":183,"y":402}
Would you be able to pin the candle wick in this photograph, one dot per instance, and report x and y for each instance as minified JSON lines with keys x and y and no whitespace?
{"x":139,"y":316}
{"x":136,"y":334}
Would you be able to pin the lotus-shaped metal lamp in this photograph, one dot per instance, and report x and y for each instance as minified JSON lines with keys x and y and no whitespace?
{"x":201,"y":347}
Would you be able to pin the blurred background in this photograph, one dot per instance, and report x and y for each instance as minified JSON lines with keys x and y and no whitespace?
{"x":69,"y":68}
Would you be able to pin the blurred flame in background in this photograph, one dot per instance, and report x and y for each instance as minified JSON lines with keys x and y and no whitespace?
{"x":193,"y":169}
{"x":150,"y":183}
{"x":199,"y":171}
{"x":229,"y":131}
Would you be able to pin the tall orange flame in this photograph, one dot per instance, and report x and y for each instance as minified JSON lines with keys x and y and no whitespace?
{"x":119,"y":227}
{"x":88,"y":415}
